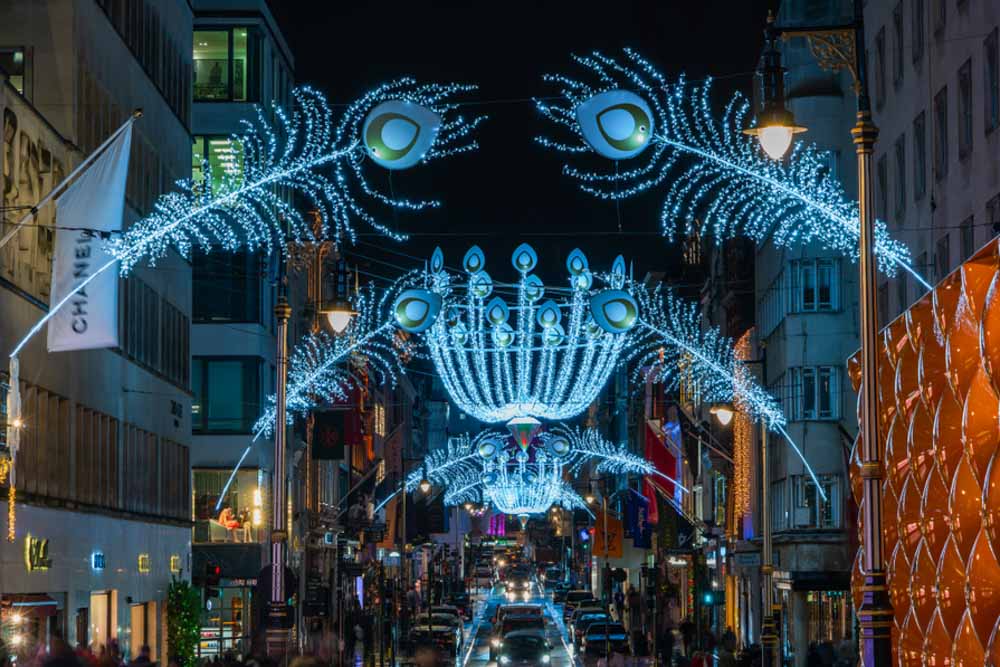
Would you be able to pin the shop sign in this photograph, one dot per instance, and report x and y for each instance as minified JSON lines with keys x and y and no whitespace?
{"x":175,"y":564}
{"x":145,"y":564}
{"x":36,"y":553}
{"x":97,"y":560}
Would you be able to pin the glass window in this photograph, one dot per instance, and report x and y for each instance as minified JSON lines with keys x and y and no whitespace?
{"x":902,"y":292}
{"x":825,"y":393}
{"x":779,"y":515}
{"x":880,"y":67}
{"x":882,"y":174}
{"x":897,"y":44}
{"x":222,"y":157}
{"x":225,"y":65}
{"x":808,"y":379}
{"x":900,"y":178}
{"x":991,"y":74}
{"x":942,"y":257}
{"x":917,"y":20}
{"x":240,"y":517}
{"x":968,"y":238}
{"x":941,"y":133}
{"x":825,"y":284}
{"x":226,"y":394}
{"x":882,"y":303}
{"x":808,"y":278}
{"x":226,"y":286}
{"x":965,"y":109}
{"x":940,"y":10}
{"x":13,"y":61}
{"x":211,"y":65}
{"x":815,"y":393}
{"x":816,"y":284}
{"x":811,"y":509}
{"x":919,"y":157}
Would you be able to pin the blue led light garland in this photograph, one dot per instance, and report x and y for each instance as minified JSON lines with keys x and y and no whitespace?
{"x":708,"y":168}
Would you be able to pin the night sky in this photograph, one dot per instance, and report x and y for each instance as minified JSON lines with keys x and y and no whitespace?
{"x":512,"y":190}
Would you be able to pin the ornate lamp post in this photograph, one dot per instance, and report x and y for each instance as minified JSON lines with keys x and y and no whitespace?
{"x":843,"y":47}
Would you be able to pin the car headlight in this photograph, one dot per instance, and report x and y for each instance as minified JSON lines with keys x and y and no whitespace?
{"x":504,"y":660}
{"x":546,"y":659}
{"x":495,"y":642}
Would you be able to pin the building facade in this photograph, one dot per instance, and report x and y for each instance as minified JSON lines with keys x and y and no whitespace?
{"x":239,"y":60}
{"x":934,"y":72}
{"x":102,"y":512}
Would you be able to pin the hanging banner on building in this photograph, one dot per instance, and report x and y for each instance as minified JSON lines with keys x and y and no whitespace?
{"x":613,"y":539}
{"x":659,"y":453}
{"x":328,"y":435}
{"x":637,"y":521}
{"x":96,"y":201}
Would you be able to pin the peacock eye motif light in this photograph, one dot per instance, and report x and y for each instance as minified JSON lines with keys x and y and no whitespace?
{"x":544,"y":355}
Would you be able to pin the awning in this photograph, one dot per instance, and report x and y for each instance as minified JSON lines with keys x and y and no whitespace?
{"x":33,"y":604}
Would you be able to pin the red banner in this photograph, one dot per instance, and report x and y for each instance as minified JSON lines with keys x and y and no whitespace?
{"x":660,"y":455}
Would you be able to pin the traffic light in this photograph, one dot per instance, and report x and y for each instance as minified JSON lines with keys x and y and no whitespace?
{"x":213,"y":574}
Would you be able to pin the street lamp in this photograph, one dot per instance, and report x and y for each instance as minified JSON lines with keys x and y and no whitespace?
{"x":425,"y":486}
{"x":838,"y":47}
{"x":775,"y":124}
{"x":338,"y":315}
{"x":335,"y":304}
{"x":723,"y":412}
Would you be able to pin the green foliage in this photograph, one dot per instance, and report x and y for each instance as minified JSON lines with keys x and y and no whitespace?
{"x":183,"y":611}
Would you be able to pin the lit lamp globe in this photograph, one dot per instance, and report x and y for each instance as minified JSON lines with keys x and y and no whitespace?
{"x":724,"y":413}
{"x":774,"y":130}
{"x":338,"y":315}
{"x":425,"y":486}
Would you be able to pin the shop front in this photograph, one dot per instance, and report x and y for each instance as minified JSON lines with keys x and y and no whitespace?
{"x":87,"y":579}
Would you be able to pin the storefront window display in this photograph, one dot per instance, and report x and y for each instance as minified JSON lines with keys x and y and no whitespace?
{"x":225,"y":621}
{"x":240,"y":517}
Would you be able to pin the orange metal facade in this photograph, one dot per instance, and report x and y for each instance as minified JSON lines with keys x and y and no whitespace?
{"x":939,"y":382}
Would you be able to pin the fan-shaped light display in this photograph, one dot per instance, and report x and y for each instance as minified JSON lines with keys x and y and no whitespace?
{"x":531,"y":357}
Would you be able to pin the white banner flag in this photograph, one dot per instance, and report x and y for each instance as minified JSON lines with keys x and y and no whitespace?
{"x":95,"y":201}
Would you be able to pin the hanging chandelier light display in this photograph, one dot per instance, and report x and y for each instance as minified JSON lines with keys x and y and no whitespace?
{"x":495,"y":470}
{"x":545,"y":354}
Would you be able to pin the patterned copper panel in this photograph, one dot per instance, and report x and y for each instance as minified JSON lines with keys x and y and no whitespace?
{"x":939,"y":413}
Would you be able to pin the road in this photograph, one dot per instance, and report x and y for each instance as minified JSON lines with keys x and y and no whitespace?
{"x":476,"y":652}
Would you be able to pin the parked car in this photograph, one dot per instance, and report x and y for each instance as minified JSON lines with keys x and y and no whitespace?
{"x":462,"y":602}
{"x":525,"y":647}
{"x":442,"y":638}
{"x":599,"y":635}
{"x":451,"y":618}
{"x":513,"y":623}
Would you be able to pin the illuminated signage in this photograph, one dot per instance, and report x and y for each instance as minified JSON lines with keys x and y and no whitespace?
{"x":97,"y":561}
{"x":175,"y":564}
{"x":145,"y":564}
{"x":36,"y":553}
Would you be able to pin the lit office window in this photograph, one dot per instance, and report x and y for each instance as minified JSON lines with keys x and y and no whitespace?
{"x":226,"y":65}
{"x":223,"y":158}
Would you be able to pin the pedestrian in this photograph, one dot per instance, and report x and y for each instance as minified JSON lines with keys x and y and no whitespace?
{"x":634,"y":602}
{"x":143,"y":657}
{"x":619,"y":605}
{"x":687,"y":636}
{"x":727,"y":651}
